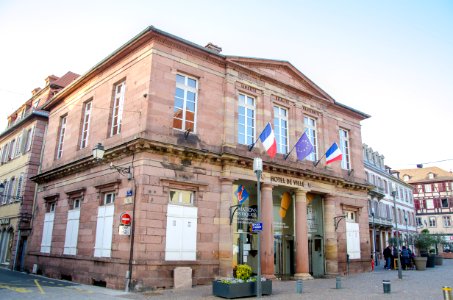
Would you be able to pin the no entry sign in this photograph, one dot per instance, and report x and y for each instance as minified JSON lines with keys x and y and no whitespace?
{"x":125,"y":219}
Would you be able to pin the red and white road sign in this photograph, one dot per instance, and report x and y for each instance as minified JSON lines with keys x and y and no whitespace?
{"x":125,"y":219}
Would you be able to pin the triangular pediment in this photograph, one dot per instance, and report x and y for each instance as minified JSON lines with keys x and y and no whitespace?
{"x":284,"y":72}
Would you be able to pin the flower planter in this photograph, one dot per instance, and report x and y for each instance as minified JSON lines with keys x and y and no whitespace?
{"x":420,"y":263}
{"x":238,"y":290}
{"x":430,"y":263}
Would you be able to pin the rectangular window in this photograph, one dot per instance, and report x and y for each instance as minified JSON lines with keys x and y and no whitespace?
{"x":429,"y":203}
{"x":117,"y":111}
{"x":246,"y":120}
{"x":447,"y":221}
{"x":181,"y":233}
{"x":85,"y":125}
{"x":419,"y":221}
{"x":12,"y":146}
{"x":29,"y":139}
{"x":281,"y":129}
{"x":432,"y":222}
{"x":61,"y":137}
{"x":344,"y":147}
{"x":72,"y":228}
{"x":185,"y":108}
{"x":49,"y":218}
{"x":104,"y":227}
{"x":10,"y":190}
{"x":310,"y":126}
{"x":181,"y":197}
{"x":444,"y":202}
{"x":18,"y":145}
{"x":428,"y":188}
{"x":5,"y":192}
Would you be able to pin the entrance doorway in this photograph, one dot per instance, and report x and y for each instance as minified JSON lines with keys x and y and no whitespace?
{"x":315,"y":235}
{"x":283,"y":256}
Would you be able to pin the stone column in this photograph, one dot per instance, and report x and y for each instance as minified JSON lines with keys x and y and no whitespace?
{"x":330,"y":235}
{"x":267,"y":235}
{"x":302,"y":264}
{"x":225,"y":234}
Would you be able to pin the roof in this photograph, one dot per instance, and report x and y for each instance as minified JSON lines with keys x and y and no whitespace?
{"x":64,"y":80}
{"x":153,"y":30}
{"x":421,"y":174}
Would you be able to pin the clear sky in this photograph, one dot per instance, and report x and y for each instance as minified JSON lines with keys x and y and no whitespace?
{"x":390,"y":59}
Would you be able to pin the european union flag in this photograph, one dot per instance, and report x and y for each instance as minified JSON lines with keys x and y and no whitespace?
{"x":303,"y":147}
{"x":241,"y":194}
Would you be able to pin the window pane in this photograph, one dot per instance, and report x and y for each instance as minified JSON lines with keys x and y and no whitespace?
{"x":192,"y":83}
{"x":179,"y":93}
{"x":180,"y":79}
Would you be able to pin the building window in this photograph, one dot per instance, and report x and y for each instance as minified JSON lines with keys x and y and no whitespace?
{"x":85,"y":124}
{"x":444,"y":202}
{"x":181,"y":197}
{"x":104,"y":226}
{"x":246,"y":120}
{"x":35,"y":104}
{"x":428,"y":188}
{"x":386,"y":187}
{"x":10,"y":190}
{"x":29,"y":137}
{"x":12,"y":146}
{"x":49,"y":218}
{"x":181,"y":231}
{"x":72,"y":227}
{"x":18,"y":146}
{"x":184,"y":112}
{"x":419,"y":221}
{"x":310,"y":126}
{"x":430,"y":175}
{"x":5,"y":192}
{"x":117,"y":111}
{"x":432,"y":222}
{"x":352,"y":235}
{"x":406,"y":178}
{"x":447,"y":221}
{"x":281,"y":129}
{"x":61,"y":136}
{"x":344,"y":147}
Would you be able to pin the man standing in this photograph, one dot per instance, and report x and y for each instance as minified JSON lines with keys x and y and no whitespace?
{"x":388,"y":257}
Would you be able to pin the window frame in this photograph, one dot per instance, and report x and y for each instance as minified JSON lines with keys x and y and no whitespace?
{"x":345,"y":148}
{"x":86,"y":121}
{"x":312,"y":134}
{"x":248,"y":140}
{"x":186,"y":88}
{"x":117,"y":108}
{"x":61,"y":135}
{"x":281,"y":132}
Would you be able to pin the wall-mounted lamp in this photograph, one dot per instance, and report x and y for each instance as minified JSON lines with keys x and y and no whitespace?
{"x":336,"y":220}
{"x":98,"y":154}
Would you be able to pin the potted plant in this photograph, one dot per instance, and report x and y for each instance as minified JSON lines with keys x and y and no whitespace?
{"x":243,"y":285}
{"x":423,"y":242}
{"x":439,"y":240}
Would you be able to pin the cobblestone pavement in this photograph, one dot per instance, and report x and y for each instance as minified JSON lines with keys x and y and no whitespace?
{"x":414,"y":285}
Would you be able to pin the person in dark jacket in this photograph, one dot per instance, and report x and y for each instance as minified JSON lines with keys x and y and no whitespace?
{"x":405,"y":258}
{"x":388,"y":257}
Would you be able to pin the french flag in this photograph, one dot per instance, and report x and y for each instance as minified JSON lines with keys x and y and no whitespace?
{"x":333,"y":154}
{"x":267,"y":138}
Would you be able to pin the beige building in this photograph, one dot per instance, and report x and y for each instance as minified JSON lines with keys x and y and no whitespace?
{"x":433,"y":195}
{"x":176,"y":121}
{"x":20,"y":155}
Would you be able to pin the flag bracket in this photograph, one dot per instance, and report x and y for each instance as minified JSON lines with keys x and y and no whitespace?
{"x":233,"y":211}
{"x":350,"y":172}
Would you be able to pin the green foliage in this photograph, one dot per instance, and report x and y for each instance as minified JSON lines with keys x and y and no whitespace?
{"x":424,"y":240}
{"x":243,"y":272}
{"x":394,"y":241}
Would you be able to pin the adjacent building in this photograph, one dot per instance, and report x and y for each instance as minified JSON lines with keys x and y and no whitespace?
{"x":174,"y":122}
{"x":433,"y":197}
{"x":381,"y":204}
{"x":20,"y":155}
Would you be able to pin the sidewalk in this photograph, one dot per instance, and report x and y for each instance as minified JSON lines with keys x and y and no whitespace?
{"x":414,"y":285}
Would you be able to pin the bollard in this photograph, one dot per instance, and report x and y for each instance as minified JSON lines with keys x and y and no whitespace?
{"x":338,"y":283}
{"x":447,"y":293}
{"x":299,"y":286}
{"x":387,"y":286}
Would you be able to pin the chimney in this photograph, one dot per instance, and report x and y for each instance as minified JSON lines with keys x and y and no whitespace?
{"x":35,"y":91}
{"x":50,"y":79}
{"x":213,"y":47}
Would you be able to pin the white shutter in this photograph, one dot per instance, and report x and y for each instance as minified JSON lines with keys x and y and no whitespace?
{"x":181,"y":233}
{"x":104,"y":231}
{"x":72,"y":232}
{"x":47,"y":232}
{"x":24,"y":140}
{"x":353,"y":240}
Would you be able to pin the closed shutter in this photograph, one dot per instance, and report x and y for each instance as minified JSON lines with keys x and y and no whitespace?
{"x":353,"y":240}
{"x":181,"y":233}
{"x":47,"y":232}
{"x":72,"y":232}
{"x":417,"y":204}
{"x":104,"y":231}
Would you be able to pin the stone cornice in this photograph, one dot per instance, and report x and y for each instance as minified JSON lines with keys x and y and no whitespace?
{"x":229,"y":156}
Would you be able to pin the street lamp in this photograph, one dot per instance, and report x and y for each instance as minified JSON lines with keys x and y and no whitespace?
{"x":407,"y":231}
{"x":400,"y":272}
{"x":258,"y":169}
{"x":374,"y":238}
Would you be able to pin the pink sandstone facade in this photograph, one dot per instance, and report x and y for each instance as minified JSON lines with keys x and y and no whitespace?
{"x":191,"y":172}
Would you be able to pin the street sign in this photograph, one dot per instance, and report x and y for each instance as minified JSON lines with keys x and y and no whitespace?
{"x":257,"y":227}
{"x":125,"y":219}
{"x":124,"y":230}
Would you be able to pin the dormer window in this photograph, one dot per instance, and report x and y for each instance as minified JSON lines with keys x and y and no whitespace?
{"x":430,"y":175}
{"x":406,"y":177}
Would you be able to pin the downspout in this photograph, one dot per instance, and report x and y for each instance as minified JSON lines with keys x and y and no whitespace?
{"x":131,"y":251}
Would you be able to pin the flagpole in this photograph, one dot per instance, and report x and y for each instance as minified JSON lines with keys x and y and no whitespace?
{"x":319,"y":160}
{"x":253,"y":145}
{"x":286,"y":156}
